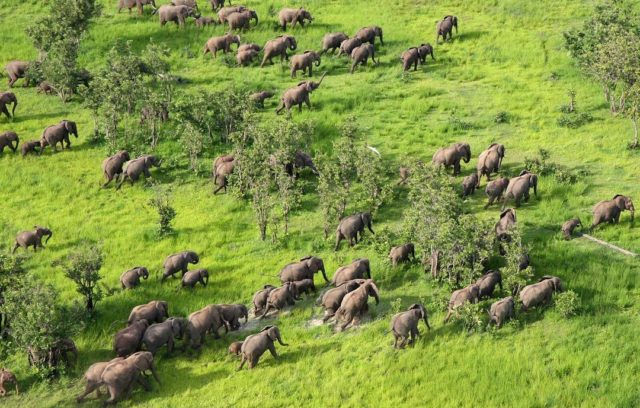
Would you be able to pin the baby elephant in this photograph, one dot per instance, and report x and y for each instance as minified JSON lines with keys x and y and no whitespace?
{"x":401,"y":253}
{"x":31,"y":146}
{"x":159,"y":334}
{"x":235,"y":348}
{"x":7,"y":376}
{"x":255,"y":345}
{"x":502,"y":310}
{"x":131,"y":278}
{"x":191,"y":278}
{"x":569,"y":226}
{"x":469,"y":184}
{"x":404,"y":326}
{"x":25,"y":239}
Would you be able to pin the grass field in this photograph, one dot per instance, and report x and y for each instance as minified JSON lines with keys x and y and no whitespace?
{"x":508,"y":56}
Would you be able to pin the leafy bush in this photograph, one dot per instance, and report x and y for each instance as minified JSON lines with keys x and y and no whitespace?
{"x":567,"y":303}
{"x":502,"y":117}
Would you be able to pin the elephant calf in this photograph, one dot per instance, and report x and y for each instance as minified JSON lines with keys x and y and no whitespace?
{"x":404,"y":326}
{"x":461,"y":296}
{"x":131,"y":278}
{"x":31,"y":146}
{"x":569,"y":226}
{"x":402,"y":253}
{"x":254,"y":346}
{"x":191,"y":278}
{"x":469,"y":184}
{"x":6,"y":377}
{"x":127,"y":341}
{"x":159,"y":334}
{"x":502,"y":310}
{"x":354,"y":304}
{"x":260,"y":299}
{"x":25,"y":239}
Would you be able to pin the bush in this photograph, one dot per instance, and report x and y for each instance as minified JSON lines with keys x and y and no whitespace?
{"x":567,"y":303}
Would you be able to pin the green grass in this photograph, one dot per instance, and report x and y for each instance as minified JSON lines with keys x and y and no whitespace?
{"x":496,"y":63}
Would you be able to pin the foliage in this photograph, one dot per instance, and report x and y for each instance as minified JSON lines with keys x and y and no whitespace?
{"x":567,"y":303}
{"x":161,"y":202}
{"x":83,"y":268}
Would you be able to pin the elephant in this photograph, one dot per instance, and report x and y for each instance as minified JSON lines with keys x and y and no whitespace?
{"x":17,"y":70}
{"x":120,"y":376}
{"x":31,"y":146}
{"x":539,"y":293}
{"x":112,"y":166}
{"x":201,"y":22}
{"x":136,"y":167}
{"x":469,"y":184}
{"x":304,"y":62}
{"x":191,"y":278}
{"x":293,"y":16}
{"x":159,"y":334}
{"x":331,"y":299}
{"x":8,"y":98}
{"x":225,"y":12}
{"x":405,"y":173}
{"x":402,"y":253}
{"x":451,"y":156}
{"x":129,"y":4}
{"x":93,"y":377}
{"x":260,"y":299}
{"x":299,"y":95}
{"x":131,"y":278}
{"x":175,"y":14}
{"x":221,"y":174}
{"x":8,"y":139}
{"x":235,"y":348}
{"x":358,"y":269}
{"x":280,"y":297}
{"x":241,"y":20}
{"x":216,"y":4}
{"x":444,"y":28}
{"x":495,"y":189}
{"x":222,"y":43}
{"x":354,"y":303}
{"x":487,"y":283}
{"x":490,"y":161}
{"x":155,"y":311}
{"x":519,"y":187}
{"x":360,"y":55}
{"x":179,"y":263}
{"x":404,"y":326}
{"x":507,"y":220}
{"x":278,"y":46}
{"x":244,"y":58}
{"x":461,"y":296}
{"x":502,"y":310}
{"x":332,"y":41}
{"x":207,"y":319}
{"x":59,"y":133}
{"x":348,"y":45}
{"x":25,"y":239}
{"x":306,"y":268}
{"x":304,"y":286}
{"x":6,"y":377}
{"x":610,"y":210}
{"x":569,"y":226}
{"x":127,"y":341}
{"x":259,"y":97}
{"x":350,"y":226}
{"x":233,"y":313}
{"x":369,"y":34}
{"x":254,"y":346}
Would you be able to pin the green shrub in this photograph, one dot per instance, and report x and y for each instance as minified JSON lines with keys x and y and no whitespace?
{"x":567,"y":303}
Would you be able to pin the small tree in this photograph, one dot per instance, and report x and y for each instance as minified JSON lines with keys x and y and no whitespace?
{"x":83,"y":268}
{"x":161,"y":202}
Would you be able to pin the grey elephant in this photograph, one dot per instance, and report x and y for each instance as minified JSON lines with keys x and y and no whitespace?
{"x":354,"y":304}
{"x":540,"y":293}
{"x":241,"y":20}
{"x":487,"y":283}
{"x":112,"y":166}
{"x":306,"y":268}
{"x":495,"y":189}
{"x":225,"y":12}
{"x":507,"y":220}
{"x":332,"y":298}
{"x":369,"y":34}
{"x":120,"y":376}
{"x":130,"y":4}
{"x":175,"y":14}
{"x":8,"y":98}
{"x":167,"y":332}
{"x":179,"y":263}
{"x":348,"y":45}
{"x":360,"y":55}
{"x":59,"y":133}
{"x":202,"y":22}
{"x":469,"y":184}
{"x":9,"y":139}
{"x":610,"y":210}
{"x":278,"y":46}
{"x":133,"y":169}
{"x":191,"y":278}
{"x":127,"y":341}
{"x":569,"y":226}
{"x":294,"y":16}
{"x":278,"y":298}
{"x":304,"y":62}
{"x":222,"y":43}
{"x":358,"y":269}
{"x":260,"y":299}
{"x":30,"y":146}
{"x":349,"y":228}
{"x":445,"y":27}
{"x":155,"y":311}
{"x":452,"y":155}
{"x":254,"y":346}
{"x":402,"y":254}
{"x":331,"y":42}
{"x":25,"y":239}
{"x":233,"y":313}
{"x":235,"y":348}
{"x":518,"y":188}
{"x":131,"y":278}
{"x":404,"y":326}
{"x":461,"y":296}
{"x":299,"y":95}
{"x":502,"y":310}
{"x":259,"y":97}
{"x":490,"y":161}
{"x":304,"y":286}
{"x":17,"y":70}
{"x":207,"y":319}
{"x":93,"y":378}
{"x":246,"y":57}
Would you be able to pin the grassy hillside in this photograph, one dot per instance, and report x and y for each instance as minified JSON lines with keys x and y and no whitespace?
{"x":508,"y":56}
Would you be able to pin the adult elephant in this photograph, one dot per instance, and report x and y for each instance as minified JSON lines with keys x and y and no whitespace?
{"x":331,"y":42}
{"x":120,"y":376}
{"x":610,"y":210}
{"x":278,"y":46}
{"x":59,"y":133}
{"x":402,"y":253}
{"x":358,"y":269}
{"x":131,"y":278}
{"x":112,"y":166}
{"x":199,"y":323}
{"x":348,"y":45}
{"x":332,"y":299}
{"x":294,"y":16}
{"x":360,"y":55}
{"x":445,"y":27}
{"x":17,"y":70}
{"x":278,"y":298}
{"x":8,"y":98}
{"x":175,"y":14}
{"x":487,"y":283}
{"x":9,"y":139}
{"x":179,"y":263}
{"x":260,"y":299}
{"x":127,"y":341}
{"x":452,"y":155}
{"x":25,"y":239}
{"x":304,"y":62}
{"x":222,"y":43}
{"x":305,"y":268}
{"x":191,"y":278}
{"x":133,"y":169}
{"x":241,"y":20}
{"x":519,"y":187}
{"x":490,"y":161}
{"x":495,"y":189}
{"x":299,"y":95}
{"x":233,"y":313}
{"x":155,"y":311}
{"x":354,"y":304}
{"x":254,"y":346}
{"x":349,"y":228}
{"x":227,"y":11}
{"x":502,"y":310}
{"x":540,"y":293}
{"x":369,"y":34}
{"x":167,"y":332}
{"x":507,"y":221}
{"x":130,"y":4}
{"x":404,"y":326}
{"x":93,"y":378}
{"x":461,"y":296}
